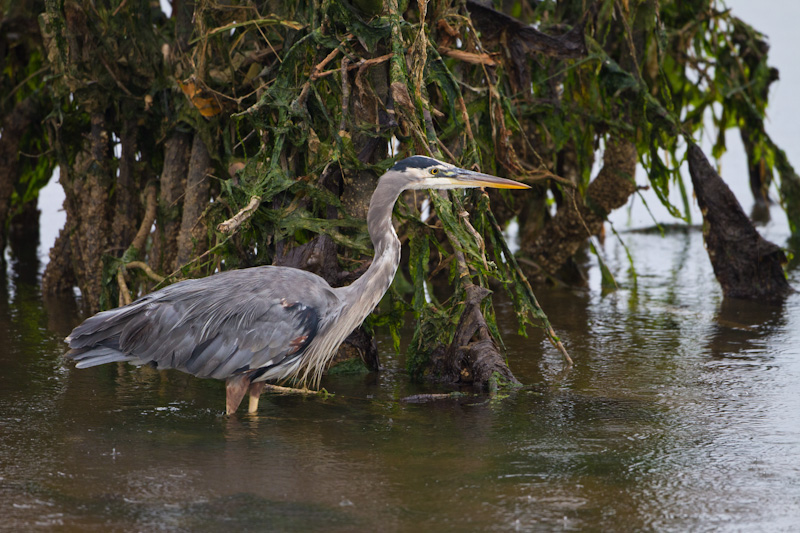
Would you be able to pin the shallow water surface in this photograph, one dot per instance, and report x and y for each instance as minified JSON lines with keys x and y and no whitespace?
{"x":682,"y":413}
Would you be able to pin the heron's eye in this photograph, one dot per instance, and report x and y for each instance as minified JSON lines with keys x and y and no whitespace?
{"x":434,"y":170}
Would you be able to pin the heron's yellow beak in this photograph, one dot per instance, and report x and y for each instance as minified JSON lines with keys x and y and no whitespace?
{"x":469,"y":178}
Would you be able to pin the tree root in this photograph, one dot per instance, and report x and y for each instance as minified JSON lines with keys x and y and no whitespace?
{"x":745,"y":264}
{"x":473,"y":356}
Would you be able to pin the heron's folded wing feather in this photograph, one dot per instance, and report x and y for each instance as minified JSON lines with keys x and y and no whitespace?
{"x":217,"y":326}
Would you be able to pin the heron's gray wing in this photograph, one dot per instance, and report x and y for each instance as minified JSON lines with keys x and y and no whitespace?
{"x":229,"y":323}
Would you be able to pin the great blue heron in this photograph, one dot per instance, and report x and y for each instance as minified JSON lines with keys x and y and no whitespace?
{"x":269,"y":322}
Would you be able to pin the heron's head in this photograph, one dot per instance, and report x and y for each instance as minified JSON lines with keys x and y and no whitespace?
{"x":427,"y":173}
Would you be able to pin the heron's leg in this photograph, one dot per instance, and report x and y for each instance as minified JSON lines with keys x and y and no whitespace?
{"x":255,"y":392}
{"x":235,"y":387}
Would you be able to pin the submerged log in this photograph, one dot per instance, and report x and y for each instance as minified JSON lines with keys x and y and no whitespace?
{"x":745,"y":264}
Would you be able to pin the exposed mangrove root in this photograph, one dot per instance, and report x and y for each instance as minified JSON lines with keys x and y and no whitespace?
{"x":151,"y":206}
{"x":473,"y":355}
{"x":124,"y":292}
{"x":147,"y":270}
{"x":746,"y":265}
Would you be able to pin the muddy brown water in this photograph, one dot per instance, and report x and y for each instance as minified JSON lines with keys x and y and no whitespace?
{"x":682,"y":413}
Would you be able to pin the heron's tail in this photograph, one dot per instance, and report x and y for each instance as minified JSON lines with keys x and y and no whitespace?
{"x":98,"y":355}
{"x":96,"y":340}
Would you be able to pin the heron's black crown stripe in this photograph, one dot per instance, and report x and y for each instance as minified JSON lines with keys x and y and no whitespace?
{"x":416,"y":161}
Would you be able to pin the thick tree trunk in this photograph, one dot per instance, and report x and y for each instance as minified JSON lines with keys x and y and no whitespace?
{"x":177,"y":150}
{"x":192,"y":239}
{"x":88,"y":187}
{"x":577,"y":219}
{"x":127,"y":207}
{"x":13,"y":128}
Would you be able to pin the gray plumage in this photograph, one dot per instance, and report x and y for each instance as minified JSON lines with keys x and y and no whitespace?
{"x":264,"y":323}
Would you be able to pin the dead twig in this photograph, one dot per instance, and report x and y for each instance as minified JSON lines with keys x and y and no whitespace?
{"x":468,"y":57}
{"x":363,"y":63}
{"x":230,"y":225}
{"x":314,"y":74}
{"x":119,"y":7}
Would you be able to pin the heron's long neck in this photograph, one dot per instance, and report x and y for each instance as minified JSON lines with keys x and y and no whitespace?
{"x":360,"y":297}
{"x":372,"y":285}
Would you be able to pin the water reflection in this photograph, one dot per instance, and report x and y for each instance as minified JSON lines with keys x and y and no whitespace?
{"x":741,"y":328}
{"x":681,"y":414}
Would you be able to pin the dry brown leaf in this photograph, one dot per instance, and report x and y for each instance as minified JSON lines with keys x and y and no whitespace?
{"x":204,"y":101}
{"x":401,"y":96}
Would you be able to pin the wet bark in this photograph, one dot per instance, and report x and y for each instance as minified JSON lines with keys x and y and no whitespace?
{"x":192,"y":239}
{"x":579,"y":218}
{"x":59,"y":277}
{"x":87,"y":187}
{"x":746,"y":265}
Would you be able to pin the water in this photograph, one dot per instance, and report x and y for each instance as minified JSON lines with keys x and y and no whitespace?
{"x":682,"y":413}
